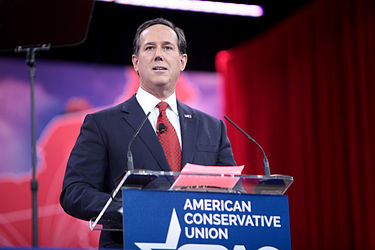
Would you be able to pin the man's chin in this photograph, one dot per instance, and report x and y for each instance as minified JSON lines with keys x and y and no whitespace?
{"x":161,"y":81}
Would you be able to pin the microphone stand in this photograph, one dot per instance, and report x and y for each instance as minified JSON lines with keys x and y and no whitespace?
{"x":266,"y":164}
{"x":30,"y":61}
{"x":130,"y":168}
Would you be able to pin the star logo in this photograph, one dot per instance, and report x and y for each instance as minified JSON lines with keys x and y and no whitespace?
{"x":171,"y":242}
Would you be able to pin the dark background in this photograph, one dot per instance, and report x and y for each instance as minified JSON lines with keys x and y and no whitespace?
{"x":112,"y":28}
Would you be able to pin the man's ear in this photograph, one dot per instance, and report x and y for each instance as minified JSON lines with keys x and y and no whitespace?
{"x":135,"y":62}
{"x":183,"y":61}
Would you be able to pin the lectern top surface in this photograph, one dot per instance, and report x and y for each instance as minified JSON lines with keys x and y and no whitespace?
{"x":230,"y":183}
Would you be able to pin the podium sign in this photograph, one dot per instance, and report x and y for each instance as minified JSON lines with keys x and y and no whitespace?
{"x":155,"y":219}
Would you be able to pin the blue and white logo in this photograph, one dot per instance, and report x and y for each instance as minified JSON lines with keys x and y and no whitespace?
{"x":173,"y":237}
{"x":208,"y":221}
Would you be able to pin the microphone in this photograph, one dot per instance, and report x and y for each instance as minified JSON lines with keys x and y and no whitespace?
{"x":265,"y":160}
{"x":130,"y":167}
{"x":161,"y":128}
{"x":130,"y":155}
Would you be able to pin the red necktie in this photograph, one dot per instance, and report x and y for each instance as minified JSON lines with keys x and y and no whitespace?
{"x":168,"y":139}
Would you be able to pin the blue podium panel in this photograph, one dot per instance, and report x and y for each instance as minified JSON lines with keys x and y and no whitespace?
{"x":201,"y":220}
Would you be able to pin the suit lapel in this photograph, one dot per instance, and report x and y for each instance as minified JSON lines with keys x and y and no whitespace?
{"x":134,"y":115}
{"x":189,"y":131}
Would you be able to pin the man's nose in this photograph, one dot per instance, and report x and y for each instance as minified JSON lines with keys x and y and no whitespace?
{"x":158,"y":54}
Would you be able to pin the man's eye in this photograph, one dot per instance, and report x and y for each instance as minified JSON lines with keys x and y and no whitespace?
{"x":168,"y":48}
{"x":149,"y":48}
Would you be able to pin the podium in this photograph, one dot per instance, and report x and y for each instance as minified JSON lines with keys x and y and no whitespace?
{"x":173,"y":210}
{"x":158,"y":213}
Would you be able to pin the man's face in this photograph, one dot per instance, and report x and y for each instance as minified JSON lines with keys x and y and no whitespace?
{"x":159,"y":62}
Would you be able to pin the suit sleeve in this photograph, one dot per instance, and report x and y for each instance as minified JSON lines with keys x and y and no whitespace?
{"x":85,"y":187}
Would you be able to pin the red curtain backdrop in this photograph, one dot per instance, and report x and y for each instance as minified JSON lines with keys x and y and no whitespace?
{"x":305,"y":91}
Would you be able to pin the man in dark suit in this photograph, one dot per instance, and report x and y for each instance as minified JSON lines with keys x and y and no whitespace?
{"x":186,"y":136}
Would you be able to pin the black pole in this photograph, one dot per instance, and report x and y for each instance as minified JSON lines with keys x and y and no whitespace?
{"x":30,"y":61}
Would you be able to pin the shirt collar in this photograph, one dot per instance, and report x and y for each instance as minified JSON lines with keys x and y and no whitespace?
{"x":148,"y":101}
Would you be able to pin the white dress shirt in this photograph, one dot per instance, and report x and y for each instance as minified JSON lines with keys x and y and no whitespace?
{"x":148,"y":103}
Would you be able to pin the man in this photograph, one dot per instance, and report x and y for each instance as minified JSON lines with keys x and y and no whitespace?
{"x":99,"y":156}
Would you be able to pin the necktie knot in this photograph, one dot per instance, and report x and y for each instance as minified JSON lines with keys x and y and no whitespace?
{"x":162,"y":106}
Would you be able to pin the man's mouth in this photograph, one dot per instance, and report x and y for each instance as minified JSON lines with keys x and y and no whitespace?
{"x":157,"y":68}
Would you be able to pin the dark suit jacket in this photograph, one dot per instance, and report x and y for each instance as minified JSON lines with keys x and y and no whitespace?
{"x":99,"y":157}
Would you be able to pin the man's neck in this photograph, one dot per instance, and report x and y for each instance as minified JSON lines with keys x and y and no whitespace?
{"x":149,"y":101}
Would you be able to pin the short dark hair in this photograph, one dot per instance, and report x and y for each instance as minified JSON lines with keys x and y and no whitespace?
{"x":181,"y":40}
